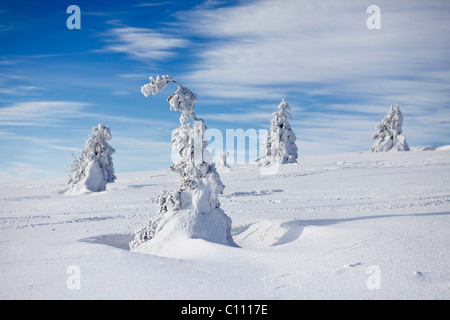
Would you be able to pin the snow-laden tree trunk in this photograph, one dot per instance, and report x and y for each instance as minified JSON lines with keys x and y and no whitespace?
{"x":94,"y":169}
{"x":192,"y":211}
{"x":389,"y":136}
{"x":280,"y":146}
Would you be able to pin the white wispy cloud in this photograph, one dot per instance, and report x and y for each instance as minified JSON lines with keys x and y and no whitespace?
{"x":19,"y":90}
{"x":294,"y":42}
{"x":16,"y":171}
{"x":153,"y":4}
{"x":238,"y":117}
{"x":40,"y":113}
{"x":42,"y":143}
{"x":142,"y":43}
{"x":57,"y":113}
{"x":323,"y":51}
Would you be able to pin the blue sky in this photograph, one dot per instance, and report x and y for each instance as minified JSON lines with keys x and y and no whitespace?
{"x":240,"y":57}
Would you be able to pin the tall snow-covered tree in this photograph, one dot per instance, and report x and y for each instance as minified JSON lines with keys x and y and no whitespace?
{"x":94,"y":169}
{"x":280,"y":144}
{"x":192,"y":211}
{"x":389,"y":136}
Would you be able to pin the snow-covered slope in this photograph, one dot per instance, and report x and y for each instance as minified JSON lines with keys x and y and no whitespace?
{"x":350,"y":226}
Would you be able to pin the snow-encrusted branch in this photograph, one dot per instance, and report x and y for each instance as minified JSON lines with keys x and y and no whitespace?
{"x":183,"y":99}
{"x":155,"y":85}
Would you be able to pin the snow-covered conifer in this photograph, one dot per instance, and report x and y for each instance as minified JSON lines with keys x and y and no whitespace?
{"x":94,"y":169}
{"x":389,"y":136}
{"x":280,"y":144}
{"x":192,"y":211}
{"x":221,"y":163}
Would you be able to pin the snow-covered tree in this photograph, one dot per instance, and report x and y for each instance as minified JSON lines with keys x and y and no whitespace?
{"x":280,"y":144}
{"x":192,"y":211}
{"x":221,"y":163}
{"x":94,"y":169}
{"x":389,"y":136}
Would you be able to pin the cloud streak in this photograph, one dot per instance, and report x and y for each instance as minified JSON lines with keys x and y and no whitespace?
{"x":153,"y":4}
{"x":295,"y":42}
{"x":39,"y":113}
{"x":58,"y":113}
{"x":318,"y":51}
{"x":320,"y":54}
{"x":143,"y":44}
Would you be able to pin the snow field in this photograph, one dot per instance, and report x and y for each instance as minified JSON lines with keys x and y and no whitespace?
{"x":350,"y":226}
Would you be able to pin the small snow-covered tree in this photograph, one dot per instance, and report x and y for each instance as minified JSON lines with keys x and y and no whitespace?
{"x":192,"y":211}
{"x":280,"y":144}
{"x":94,"y":169}
{"x":389,"y":136}
{"x":221,"y":163}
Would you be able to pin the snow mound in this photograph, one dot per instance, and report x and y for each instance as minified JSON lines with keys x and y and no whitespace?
{"x":178,"y":226}
{"x":93,"y":182}
{"x":267,"y":233}
{"x":432,"y":148}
